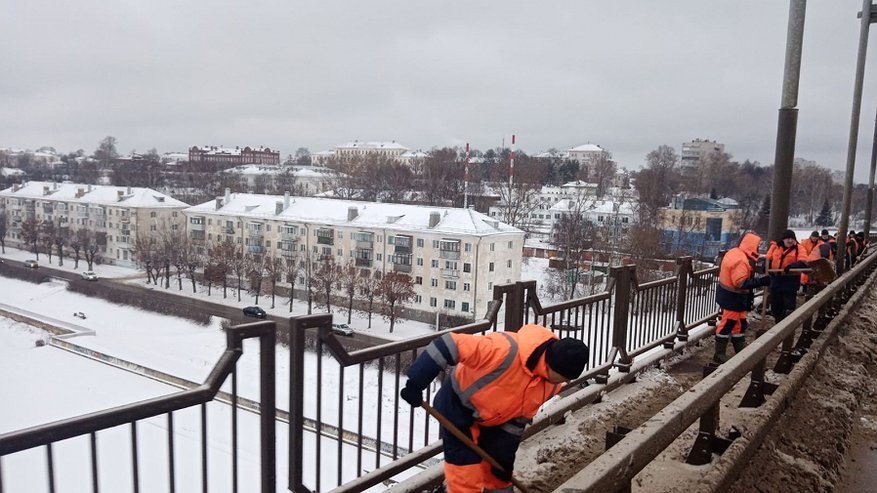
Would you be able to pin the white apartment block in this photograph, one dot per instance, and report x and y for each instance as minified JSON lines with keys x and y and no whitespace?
{"x":587,"y":154}
{"x":309,"y":180}
{"x":358,"y":149}
{"x":455,"y":256}
{"x":541,"y":219}
{"x":116,"y":215}
{"x":695,"y":150}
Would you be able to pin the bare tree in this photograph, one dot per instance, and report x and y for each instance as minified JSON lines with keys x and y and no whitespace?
{"x":327,"y":276}
{"x":273,"y":267}
{"x":519,"y":199}
{"x":47,"y":236}
{"x":91,"y":246}
{"x":369,"y":284}
{"x":395,"y":289}
{"x":656,"y":183}
{"x":237,"y":262}
{"x":62,"y":234}
{"x":76,"y":246}
{"x":348,"y":278}
{"x":603,"y":170}
{"x":193,"y":260}
{"x":292,"y":268}
{"x":30,"y":234}
{"x":3,"y":232}
{"x":255,"y":265}
{"x":144,"y":250}
{"x":573,"y":235}
{"x":221,"y":257}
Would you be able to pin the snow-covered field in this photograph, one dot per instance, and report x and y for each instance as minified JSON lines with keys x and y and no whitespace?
{"x":178,"y":347}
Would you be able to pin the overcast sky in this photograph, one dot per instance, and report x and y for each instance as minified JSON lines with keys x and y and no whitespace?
{"x":628,"y":75}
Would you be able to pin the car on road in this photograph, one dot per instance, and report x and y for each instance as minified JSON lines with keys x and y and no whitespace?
{"x":89,"y":276}
{"x":255,"y":312}
{"x":32,"y":264}
{"x":342,"y":329}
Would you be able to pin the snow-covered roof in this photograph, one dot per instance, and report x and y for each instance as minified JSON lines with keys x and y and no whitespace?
{"x":11,"y":172}
{"x":595,"y":207}
{"x":399,"y":217}
{"x":415,"y":155}
{"x":587,"y":148}
{"x":579,"y":184}
{"x":550,"y":155}
{"x":98,"y":194}
{"x":372,"y":145}
{"x":215,"y":150}
{"x":273,"y":169}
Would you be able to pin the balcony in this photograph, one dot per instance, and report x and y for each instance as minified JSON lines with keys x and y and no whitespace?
{"x":196,"y":224}
{"x":402,"y":267}
{"x":449,"y":249}
{"x":82,"y":213}
{"x":449,"y":254}
{"x":229,"y":230}
{"x":363,"y":262}
{"x":256,"y":248}
{"x":364,"y":240}
{"x":255,"y":233}
{"x":198,"y":235}
{"x":289,"y":237}
{"x":325,"y":240}
{"x":452,"y":273}
{"x":287,"y":253}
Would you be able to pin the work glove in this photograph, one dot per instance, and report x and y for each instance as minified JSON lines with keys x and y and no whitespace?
{"x":412,"y":395}
{"x":505,"y":475}
{"x":756,"y":282}
{"x":763,"y":281}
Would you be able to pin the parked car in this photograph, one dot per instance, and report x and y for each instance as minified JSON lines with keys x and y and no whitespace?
{"x":31,"y":264}
{"x":89,"y":276}
{"x":342,"y":329}
{"x":255,"y":312}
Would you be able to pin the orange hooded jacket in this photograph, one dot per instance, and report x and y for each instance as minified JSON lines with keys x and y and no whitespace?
{"x":491,"y":376}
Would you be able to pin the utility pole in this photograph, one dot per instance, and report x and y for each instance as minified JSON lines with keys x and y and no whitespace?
{"x":870,"y":202}
{"x":787,"y":125}
{"x":867,"y":15}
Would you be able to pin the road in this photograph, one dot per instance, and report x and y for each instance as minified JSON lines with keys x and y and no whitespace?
{"x":357,"y":341}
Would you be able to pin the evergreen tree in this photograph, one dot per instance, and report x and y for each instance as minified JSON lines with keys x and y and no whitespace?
{"x":825,"y":216}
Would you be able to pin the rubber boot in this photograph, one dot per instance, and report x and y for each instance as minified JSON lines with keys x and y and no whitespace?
{"x":739,"y":344}
{"x":721,"y":346}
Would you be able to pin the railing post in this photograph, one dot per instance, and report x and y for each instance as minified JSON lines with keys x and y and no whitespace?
{"x":296,"y":403}
{"x":707,"y":443}
{"x":268,"y":409}
{"x":683,"y":271}
{"x":623,"y":276}
{"x":514,"y":309}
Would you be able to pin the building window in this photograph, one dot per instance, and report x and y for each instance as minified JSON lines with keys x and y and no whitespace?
{"x":340,"y":252}
{"x":490,"y":267}
{"x":433,"y":283}
{"x":435,"y":263}
{"x":418,"y":299}
{"x":466,"y":286}
{"x":509,"y":264}
{"x":467,"y":267}
{"x":418,"y":280}
{"x":420,"y":261}
{"x":450,"y":304}
{"x":435,"y":243}
{"x":464,"y":306}
{"x":433,"y":302}
{"x":174,"y":214}
{"x":420,"y":242}
{"x":468,"y":247}
{"x":510,"y":244}
{"x":379,"y":256}
{"x":450,"y":284}
{"x":151,"y":214}
{"x":489,"y":286}
{"x":492,"y":247}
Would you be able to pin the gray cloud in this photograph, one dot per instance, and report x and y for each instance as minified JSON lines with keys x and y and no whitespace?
{"x":628,"y":75}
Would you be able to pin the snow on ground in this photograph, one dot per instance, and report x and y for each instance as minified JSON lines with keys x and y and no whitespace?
{"x":43,"y":384}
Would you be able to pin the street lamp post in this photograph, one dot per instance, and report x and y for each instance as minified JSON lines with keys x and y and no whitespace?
{"x":868,"y":16}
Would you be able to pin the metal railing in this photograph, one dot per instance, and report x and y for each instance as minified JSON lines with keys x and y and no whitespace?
{"x":346,"y":416}
{"x":94,"y":425}
{"x":615,"y":469}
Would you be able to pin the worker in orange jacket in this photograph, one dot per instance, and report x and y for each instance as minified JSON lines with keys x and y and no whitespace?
{"x":785,"y":254}
{"x":497,"y":384}
{"x":734,"y":294}
{"x":811,"y":242}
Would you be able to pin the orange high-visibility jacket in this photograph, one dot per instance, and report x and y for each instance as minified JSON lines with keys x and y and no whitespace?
{"x":735,"y":268}
{"x":780,"y":257}
{"x":491,"y":376}
{"x":808,"y":244}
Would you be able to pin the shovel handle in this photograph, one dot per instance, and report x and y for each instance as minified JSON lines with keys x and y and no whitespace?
{"x":451,"y":427}
{"x":791,"y":271}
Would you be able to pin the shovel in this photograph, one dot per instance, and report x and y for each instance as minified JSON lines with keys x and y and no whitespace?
{"x":821,"y":271}
{"x":468,"y":441}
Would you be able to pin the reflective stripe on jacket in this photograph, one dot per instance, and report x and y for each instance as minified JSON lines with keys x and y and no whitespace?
{"x":490,"y":374}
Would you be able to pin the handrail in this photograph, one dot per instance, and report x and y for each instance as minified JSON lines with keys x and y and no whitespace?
{"x":36,"y":436}
{"x":614,"y":469}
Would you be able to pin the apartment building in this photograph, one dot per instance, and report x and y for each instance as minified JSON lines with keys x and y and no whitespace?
{"x":360,"y":149}
{"x":116,"y":215}
{"x":699,"y":226}
{"x":455,"y":256}
{"x":227,"y":156}
{"x":693,"y":152}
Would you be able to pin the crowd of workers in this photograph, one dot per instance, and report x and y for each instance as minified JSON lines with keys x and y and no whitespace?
{"x":497,"y":382}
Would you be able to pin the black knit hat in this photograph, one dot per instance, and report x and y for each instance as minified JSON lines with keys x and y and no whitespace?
{"x":824,"y":232}
{"x":789,"y":234}
{"x":814,"y":234}
{"x":567,"y":356}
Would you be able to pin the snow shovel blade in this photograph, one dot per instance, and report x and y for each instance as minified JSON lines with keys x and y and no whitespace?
{"x":823,"y":271}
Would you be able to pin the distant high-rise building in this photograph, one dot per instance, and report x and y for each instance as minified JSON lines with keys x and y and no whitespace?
{"x":695,"y":150}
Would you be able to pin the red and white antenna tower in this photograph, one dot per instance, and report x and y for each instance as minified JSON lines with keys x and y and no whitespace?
{"x":466,"y":180}
{"x":512,"y":164}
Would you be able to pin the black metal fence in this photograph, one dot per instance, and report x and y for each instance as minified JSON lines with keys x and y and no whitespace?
{"x":349,"y":431}
{"x":160,"y":464}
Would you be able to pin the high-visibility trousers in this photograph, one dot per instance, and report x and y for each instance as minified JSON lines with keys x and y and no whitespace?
{"x":732,"y":324}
